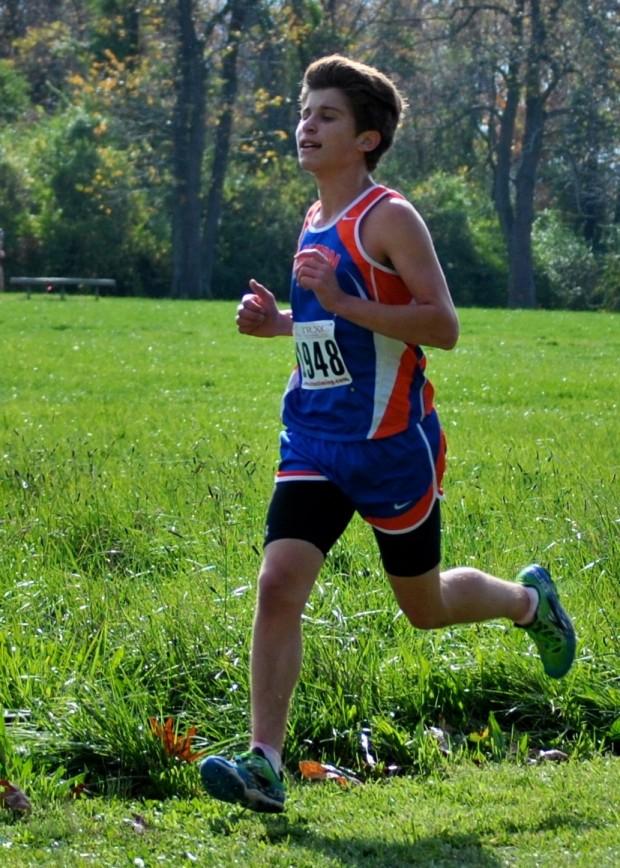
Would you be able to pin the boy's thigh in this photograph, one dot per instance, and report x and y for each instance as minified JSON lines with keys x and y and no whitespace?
{"x":414,"y":552}
{"x":317,"y":512}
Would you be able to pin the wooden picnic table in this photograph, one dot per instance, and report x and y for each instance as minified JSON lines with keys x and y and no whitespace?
{"x":63,"y":282}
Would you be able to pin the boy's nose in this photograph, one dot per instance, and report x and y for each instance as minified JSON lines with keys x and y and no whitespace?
{"x":308,"y":125}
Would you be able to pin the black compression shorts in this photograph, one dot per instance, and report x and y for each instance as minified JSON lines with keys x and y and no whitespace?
{"x":318,"y":512}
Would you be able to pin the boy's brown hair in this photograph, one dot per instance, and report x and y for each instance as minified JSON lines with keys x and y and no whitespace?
{"x":374,"y":99}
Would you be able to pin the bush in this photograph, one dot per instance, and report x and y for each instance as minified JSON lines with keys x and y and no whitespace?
{"x":608,"y":287}
{"x":261,"y":219}
{"x":269,"y":203}
{"x":86,"y":213}
{"x":568,"y":268}
{"x":13,"y":210}
{"x":466,"y":237}
{"x":14,"y":99}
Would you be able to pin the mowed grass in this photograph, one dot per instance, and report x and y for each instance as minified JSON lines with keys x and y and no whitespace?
{"x":500,"y":815}
{"x":138,"y":444}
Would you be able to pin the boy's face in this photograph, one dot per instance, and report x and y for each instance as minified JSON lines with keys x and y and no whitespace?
{"x":326,"y":136}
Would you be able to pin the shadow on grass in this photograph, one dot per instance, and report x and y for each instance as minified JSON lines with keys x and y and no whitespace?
{"x":367,"y":850}
{"x":460,"y":850}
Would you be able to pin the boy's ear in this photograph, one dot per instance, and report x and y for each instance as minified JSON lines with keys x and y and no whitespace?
{"x":368,"y":140}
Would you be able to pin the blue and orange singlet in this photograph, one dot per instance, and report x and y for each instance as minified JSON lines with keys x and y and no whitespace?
{"x":351,"y":383}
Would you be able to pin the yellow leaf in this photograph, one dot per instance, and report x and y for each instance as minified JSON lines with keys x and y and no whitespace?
{"x":315,"y":771}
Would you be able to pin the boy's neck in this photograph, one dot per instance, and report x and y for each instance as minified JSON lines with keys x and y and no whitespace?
{"x":336,"y":192}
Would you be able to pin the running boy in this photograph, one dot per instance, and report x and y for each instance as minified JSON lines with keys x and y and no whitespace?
{"x":361,"y":433}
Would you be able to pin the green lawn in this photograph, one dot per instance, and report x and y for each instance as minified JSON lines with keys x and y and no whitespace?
{"x":138,"y":441}
{"x":501,"y":815}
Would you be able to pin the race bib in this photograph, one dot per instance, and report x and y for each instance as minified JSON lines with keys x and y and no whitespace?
{"x":318,"y":355}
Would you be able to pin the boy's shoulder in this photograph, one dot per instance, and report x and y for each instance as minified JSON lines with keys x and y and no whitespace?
{"x":394,"y":211}
{"x":380,"y":200}
{"x":393,"y":224}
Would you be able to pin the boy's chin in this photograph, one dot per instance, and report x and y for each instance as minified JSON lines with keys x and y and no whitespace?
{"x":305,"y":164}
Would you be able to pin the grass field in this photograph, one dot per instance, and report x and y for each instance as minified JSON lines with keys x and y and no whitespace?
{"x":138,"y":444}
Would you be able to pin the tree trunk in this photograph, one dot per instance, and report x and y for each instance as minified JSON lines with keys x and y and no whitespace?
{"x":188,"y":147}
{"x":514,"y":197}
{"x":521,"y":284}
{"x":502,"y":198}
{"x":238,"y":14}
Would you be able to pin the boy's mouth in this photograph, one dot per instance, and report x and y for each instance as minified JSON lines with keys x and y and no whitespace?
{"x":307,"y":145}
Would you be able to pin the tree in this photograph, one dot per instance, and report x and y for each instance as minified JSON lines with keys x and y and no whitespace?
{"x":523,"y":93}
{"x":238,"y":14}
{"x":583,"y":175}
{"x":188,"y":152}
{"x":528,"y":52}
{"x":196,"y":102}
{"x":192,"y":268}
{"x":506,"y":75}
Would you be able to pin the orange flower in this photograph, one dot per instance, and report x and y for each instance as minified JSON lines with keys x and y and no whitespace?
{"x":174,"y":744}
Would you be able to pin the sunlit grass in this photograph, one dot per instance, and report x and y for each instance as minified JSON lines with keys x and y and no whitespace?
{"x":494,"y":815}
{"x":138,"y":441}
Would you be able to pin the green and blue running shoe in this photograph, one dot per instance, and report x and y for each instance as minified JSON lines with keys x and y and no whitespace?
{"x":551,"y":629}
{"x":248,"y":780}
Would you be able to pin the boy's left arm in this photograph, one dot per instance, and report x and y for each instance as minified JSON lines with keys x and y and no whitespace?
{"x":393,"y":232}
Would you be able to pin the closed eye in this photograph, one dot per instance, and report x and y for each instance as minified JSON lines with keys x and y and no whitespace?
{"x":323,"y":116}
{"x":326,"y":113}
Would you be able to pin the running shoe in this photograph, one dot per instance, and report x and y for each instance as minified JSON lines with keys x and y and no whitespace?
{"x":248,"y":780}
{"x":551,"y":629}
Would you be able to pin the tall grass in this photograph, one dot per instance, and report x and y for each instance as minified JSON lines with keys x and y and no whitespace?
{"x":138,"y":441}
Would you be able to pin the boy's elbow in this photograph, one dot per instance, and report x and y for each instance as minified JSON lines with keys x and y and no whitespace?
{"x":451,"y":339}
{"x":450,"y":333}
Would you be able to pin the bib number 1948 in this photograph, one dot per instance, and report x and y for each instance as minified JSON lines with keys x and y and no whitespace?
{"x":318,"y":355}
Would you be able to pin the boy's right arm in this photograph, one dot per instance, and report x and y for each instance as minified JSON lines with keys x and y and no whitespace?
{"x":259,"y":315}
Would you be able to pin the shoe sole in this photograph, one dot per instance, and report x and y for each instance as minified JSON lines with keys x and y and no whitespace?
{"x":224,"y":783}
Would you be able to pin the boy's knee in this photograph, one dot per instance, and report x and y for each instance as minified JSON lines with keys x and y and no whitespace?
{"x":278,"y":593}
{"x":421,"y":600}
{"x":288,"y":572}
{"x":426,"y":619}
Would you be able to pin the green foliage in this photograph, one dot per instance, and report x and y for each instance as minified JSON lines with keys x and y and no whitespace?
{"x":19,"y":767}
{"x":44,"y":55}
{"x":466,"y":237}
{"x":115,"y":28}
{"x":74,"y":206}
{"x":567,"y":265}
{"x":14,"y":210}
{"x":262,"y":215}
{"x":608,"y":285}
{"x":85,"y":215}
{"x":14,"y":98}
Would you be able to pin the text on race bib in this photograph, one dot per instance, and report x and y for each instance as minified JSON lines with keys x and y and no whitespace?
{"x":318,"y":355}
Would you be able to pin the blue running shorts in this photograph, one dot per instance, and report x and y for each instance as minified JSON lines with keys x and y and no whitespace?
{"x":394,"y":483}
